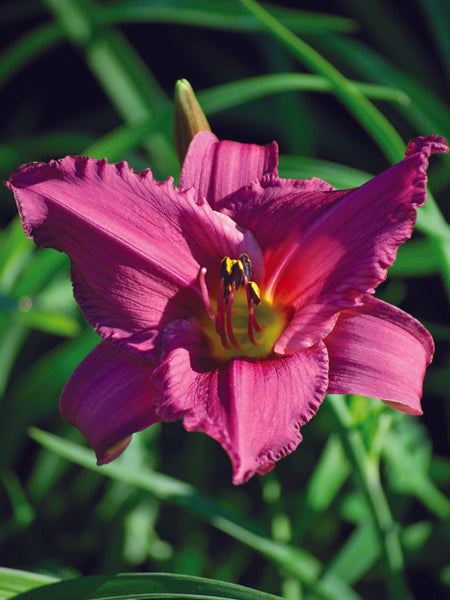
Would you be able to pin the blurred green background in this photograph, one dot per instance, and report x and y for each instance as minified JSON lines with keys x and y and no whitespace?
{"x":359,"y":509}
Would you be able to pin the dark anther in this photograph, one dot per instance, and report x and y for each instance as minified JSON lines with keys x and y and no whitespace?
{"x":237,"y":274}
{"x":247,"y":266}
{"x":254,"y":293}
{"x":225,"y":268}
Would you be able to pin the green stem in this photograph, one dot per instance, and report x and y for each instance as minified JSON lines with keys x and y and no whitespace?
{"x":368,"y":476}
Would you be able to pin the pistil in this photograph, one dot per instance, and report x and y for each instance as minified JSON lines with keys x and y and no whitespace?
{"x":205,"y":293}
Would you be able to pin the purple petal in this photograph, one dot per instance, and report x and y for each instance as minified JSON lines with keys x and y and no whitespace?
{"x":136,"y":245}
{"x":253,"y":409}
{"x":108,"y":397}
{"x":216,"y":169}
{"x":324,"y":249}
{"x":377,"y":350}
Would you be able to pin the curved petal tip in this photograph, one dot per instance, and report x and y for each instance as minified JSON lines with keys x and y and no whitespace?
{"x":431,"y":144}
{"x":113,"y":452}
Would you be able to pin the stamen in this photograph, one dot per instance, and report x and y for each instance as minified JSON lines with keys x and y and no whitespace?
{"x":236,"y":331}
{"x":229,"y":323}
{"x":234,"y":273}
{"x":220,"y":316}
{"x":205,"y":293}
{"x":251,"y":320}
{"x":252,"y":292}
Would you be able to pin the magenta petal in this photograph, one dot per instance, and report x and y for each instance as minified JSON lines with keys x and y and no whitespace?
{"x":108,"y":397}
{"x":253,"y":409}
{"x":136,"y":245}
{"x":377,"y":350}
{"x":324,"y":249}
{"x":216,"y":169}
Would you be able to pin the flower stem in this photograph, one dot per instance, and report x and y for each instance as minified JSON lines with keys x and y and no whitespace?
{"x":367,"y":473}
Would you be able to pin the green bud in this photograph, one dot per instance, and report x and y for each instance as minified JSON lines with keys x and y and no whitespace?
{"x":189,"y":118}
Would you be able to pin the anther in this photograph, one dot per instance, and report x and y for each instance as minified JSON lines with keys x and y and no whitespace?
{"x":237,"y":274}
{"x":255,"y":294}
{"x":225,"y":268}
{"x":247,"y":266}
{"x":253,"y":299}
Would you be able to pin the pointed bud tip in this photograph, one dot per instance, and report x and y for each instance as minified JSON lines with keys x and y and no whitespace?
{"x":182,"y":87}
{"x":189,"y":118}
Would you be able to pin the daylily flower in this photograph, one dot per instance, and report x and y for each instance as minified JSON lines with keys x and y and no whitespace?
{"x":234,"y":301}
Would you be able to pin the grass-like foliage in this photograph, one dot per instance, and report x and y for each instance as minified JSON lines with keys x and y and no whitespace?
{"x":359,"y":510}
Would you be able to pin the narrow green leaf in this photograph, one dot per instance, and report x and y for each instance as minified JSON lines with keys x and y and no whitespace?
{"x":27,"y":49}
{"x":409,"y":476}
{"x":235,"y":93}
{"x":45,"y":268}
{"x":340,"y":176}
{"x":445,"y":575}
{"x":328,"y":477}
{"x":13,"y":335}
{"x":384,"y":23}
{"x":50,"y":322}
{"x":368,"y":477}
{"x":426,"y":111}
{"x":144,"y":586}
{"x":13,"y":582}
{"x":23,"y":513}
{"x":220,"y":14}
{"x":223,"y":97}
{"x":358,"y":554}
{"x":415,"y":536}
{"x":15,"y":251}
{"x":294,"y":561}
{"x":40,"y":147}
{"x":117,"y":67}
{"x":364,"y":111}
{"x":129,"y":84}
{"x":44,"y":379}
{"x":125,"y":138}
{"x":429,"y":217}
{"x":438,"y":14}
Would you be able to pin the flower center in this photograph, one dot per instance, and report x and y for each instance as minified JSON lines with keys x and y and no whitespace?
{"x":245,"y":323}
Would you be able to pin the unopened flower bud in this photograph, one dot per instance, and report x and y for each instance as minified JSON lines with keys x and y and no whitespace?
{"x":189,"y":118}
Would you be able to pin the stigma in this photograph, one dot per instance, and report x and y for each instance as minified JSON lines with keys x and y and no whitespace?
{"x":233,"y":328}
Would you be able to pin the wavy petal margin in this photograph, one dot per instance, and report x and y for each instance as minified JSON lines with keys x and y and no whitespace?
{"x":324,"y":250}
{"x":136,"y":245}
{"x":377,"y":350}
{"x":254,"y":409}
